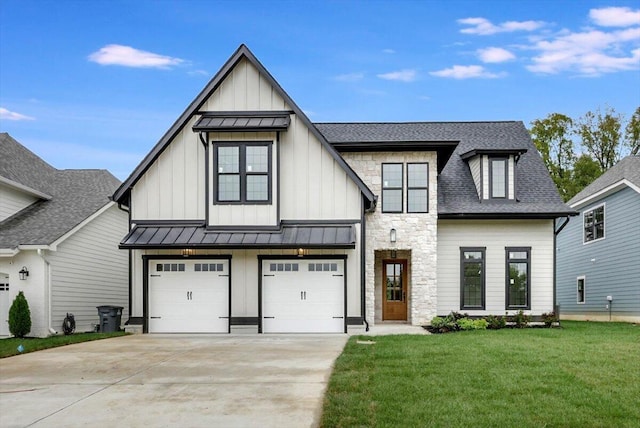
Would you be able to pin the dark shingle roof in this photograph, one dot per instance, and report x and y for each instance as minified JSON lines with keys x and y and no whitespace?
{"x":75,"y":195}
{"x":457,"y":195}
{"x":628,"y":168}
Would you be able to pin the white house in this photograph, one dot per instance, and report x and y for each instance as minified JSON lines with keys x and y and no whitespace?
{"x":59,"y":235}
{"x":246,"y":216}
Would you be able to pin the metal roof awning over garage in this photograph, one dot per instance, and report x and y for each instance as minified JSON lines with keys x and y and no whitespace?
{"x":332,"y":236}
{"x":238,"y":121}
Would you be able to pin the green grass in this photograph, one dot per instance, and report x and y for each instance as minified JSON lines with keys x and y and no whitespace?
{"x":581,"y":375}
{"x":9,"y":347}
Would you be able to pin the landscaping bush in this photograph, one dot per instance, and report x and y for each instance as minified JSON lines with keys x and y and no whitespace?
{"x":549,"y":318}
{"x":495,"y":322}
{"x":469,"y":324}
{"x":20,"y":316}
{"x":444,"y":325}
{"x":520,"y":319}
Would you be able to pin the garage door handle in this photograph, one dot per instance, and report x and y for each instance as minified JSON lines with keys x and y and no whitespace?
{"x":224,"y":275}
{"x":223,"y":318}
{"x":155,"y":275}
{"x":270,"y":318}
{"x":267,"y":275}
{"x":336,"y":275}
{"x":155,"y":318}
{"x":338,"y":318}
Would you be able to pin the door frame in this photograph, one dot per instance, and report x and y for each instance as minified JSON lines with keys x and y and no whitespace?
{"x":146,"y":258}
{"x":405,"y":286}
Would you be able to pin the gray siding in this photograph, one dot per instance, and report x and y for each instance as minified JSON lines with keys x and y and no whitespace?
{"x":610,"y":266}
{"x":12,"y":201}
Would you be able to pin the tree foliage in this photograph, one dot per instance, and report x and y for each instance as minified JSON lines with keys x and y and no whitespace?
{"x":632,"y":132}
{"x":20,"y":316}
{"x":601,"y":136}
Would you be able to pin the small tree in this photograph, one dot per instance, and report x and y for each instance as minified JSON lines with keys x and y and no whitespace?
{"x":19,"y":316}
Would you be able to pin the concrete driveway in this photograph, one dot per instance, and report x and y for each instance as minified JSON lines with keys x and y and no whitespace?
{"x":171,"y":381}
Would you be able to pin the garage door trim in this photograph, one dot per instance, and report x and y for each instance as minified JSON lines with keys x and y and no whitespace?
{"x":262,"y":258}
{"x":145,"y":281}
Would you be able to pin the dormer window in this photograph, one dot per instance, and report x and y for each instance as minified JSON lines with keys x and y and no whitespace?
{"x":494,"y":172}
{"x":499,"y":177}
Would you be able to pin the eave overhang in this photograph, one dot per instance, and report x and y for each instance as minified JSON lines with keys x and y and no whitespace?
{"x":492,"y":152}
{"x":507,"y":216}
{"x":243,"y":121}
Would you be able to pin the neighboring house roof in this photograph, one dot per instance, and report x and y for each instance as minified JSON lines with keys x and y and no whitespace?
{"x":536,"y":193}
{"x":627,"y":171}
{"x":122,"y":192}
{"x":74,"y":196}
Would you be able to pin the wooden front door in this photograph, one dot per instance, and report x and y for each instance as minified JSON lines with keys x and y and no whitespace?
{"x":394,"y":290}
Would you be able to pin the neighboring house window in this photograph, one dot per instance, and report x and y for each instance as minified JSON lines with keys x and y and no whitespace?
{"x":417,"y":187}
{"x":243,"y":172}
{"x":518,"y":278}
{"x":392,"y":187}
{"x":498,"y":178}
{"x":472,"y":278}
{"x":581,"y":290}
{"x":594,"y":224}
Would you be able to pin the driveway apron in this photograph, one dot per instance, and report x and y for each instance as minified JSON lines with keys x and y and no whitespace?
{"x":171,"y":381}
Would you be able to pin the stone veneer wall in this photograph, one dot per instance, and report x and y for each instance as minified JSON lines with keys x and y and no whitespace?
{"x":416,"y":236}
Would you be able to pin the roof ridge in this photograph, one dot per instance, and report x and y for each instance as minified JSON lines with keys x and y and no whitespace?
{"x":416,"y":122}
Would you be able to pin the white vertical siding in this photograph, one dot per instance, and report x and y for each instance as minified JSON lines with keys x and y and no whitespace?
{"x":89,"y":270}
{"x":12,"y":201}
{"x":474,"y":166}
{"x":495,"y":235}
{"x":485,"y":176}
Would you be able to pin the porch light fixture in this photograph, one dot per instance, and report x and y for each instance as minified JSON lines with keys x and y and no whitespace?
{"x":392,"y":235}
{"x":394,"y":254}
{"x":24,"y":273}
{"x":302,"y":252}
{"x":186,"y":252}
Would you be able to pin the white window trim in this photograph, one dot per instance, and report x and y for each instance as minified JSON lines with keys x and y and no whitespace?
{"x":584,"y":284}
{"x":604,"y":212}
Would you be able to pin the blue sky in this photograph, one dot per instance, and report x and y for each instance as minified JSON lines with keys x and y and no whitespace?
{"x":95,"y":84}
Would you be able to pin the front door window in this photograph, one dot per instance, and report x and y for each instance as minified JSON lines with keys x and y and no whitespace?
{"x":394,"y":290}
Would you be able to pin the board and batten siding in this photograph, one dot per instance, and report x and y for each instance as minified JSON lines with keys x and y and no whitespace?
{"x":495,"y":235}
{"x":12,"y":201}
{"x":89,"y":270}
{"x":610,"y":265}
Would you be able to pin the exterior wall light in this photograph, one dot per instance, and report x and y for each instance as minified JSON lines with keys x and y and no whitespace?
{"x":24,"y":273}
{"x":188,"y":252}
{"x":392,"y":236}
{"x":302,"y":252}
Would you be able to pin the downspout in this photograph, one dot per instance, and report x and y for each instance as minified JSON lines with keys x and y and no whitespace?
{"x":129,"y":262}
{"x":363,"y":265}
{"x":555,"y":256}
{"x":47,"y":281}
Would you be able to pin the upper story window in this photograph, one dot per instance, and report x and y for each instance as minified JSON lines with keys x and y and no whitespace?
{"x":498,"y":178}
{"x":594,"y":224}
{"x":417,"y":187}
{"x":392,"y":185}
{"x":243,"y":172}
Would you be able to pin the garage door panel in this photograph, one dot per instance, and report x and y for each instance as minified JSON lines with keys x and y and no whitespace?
{"x":303,"y":296}
{"x":190,"y":296}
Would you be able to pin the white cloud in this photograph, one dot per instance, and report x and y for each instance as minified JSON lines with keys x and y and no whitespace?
{"x":198,"y":73}
{"x":484,"y":27}
{"x":615,"y":16}
{"x":349,"y":77}
{"x":587,"y":53}
{"x":388,"y":51}
{"x":407,"y":75}
{"x":12,"y":115}
{"x":466,"y":72}
{"x":494,"y":55}
{"x":130,"y":57}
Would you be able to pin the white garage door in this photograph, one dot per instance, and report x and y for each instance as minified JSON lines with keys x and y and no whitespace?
{"x":303,"y":296}
{"x":188,"y":296}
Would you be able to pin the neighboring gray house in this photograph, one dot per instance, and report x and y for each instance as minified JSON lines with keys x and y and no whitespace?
{"x":248,"y":217}
{"x":598,"y":251}
{"x":61,"y":227}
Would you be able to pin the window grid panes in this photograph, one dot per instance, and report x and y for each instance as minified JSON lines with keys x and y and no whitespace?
{"x":243,"y":172}
{"x":594,"y":224}
{"x":417,"y":187}
{"x":581,"y":293}
{"x":394,"y":282}
{"x":473,"y":279}
{"x":498,"y":178}
{"x":518,"y":261}
{"x":392,"y":187}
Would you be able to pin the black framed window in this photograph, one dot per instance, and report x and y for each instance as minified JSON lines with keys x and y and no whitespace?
{"x":594,"y":224}
{"x":518,"y":277}
{"x":243,"y":172}
{"x":581,"y":295}
{"x":472,"y":278}
{"x":392,"y":183}
{"x":499,"y":178}
{"x":417,"y":187}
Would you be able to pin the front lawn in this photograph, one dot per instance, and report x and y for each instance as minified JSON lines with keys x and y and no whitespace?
{"x":9,"y":347}
{"x":581,"y":375}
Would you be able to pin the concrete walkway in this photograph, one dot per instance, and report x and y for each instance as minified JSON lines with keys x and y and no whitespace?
{"x":171,"y":381}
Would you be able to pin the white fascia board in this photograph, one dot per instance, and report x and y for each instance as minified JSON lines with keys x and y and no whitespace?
{"x":615,"y":187}
{"x":9,"y":252}
{"x":23,"y":188}
{"x":54,"y":244}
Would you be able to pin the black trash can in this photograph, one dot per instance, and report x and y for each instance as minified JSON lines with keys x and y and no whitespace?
{"x":110,"y":317}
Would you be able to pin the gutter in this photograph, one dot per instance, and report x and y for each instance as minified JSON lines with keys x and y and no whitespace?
{"x":47,"y":281}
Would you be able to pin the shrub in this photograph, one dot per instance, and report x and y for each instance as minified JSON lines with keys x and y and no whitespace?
{"x":549,"y":318}
{"x":469,"y":324}
{"x":444,"y":325}
{"x":19,"y":316}
{"x":520,"y":319}
{"x":495,"y":322}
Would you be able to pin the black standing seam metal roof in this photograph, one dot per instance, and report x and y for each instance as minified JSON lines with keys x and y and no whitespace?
{"x":243,"y":121}
{"x":290,"y":236}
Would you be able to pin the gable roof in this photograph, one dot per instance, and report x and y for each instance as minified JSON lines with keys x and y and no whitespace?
{"x":457,"y":195}
{"x":121,"y":194}
{"x":627,"y":169}
{"x":74,"y":196}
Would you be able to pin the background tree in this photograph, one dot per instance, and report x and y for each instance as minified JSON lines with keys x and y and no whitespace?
{"x":601,"y":136}
{"x":632,"y":133}
{"x":19,"y":316}
{"x":585,"y":171}
{"x":552,"y":137}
